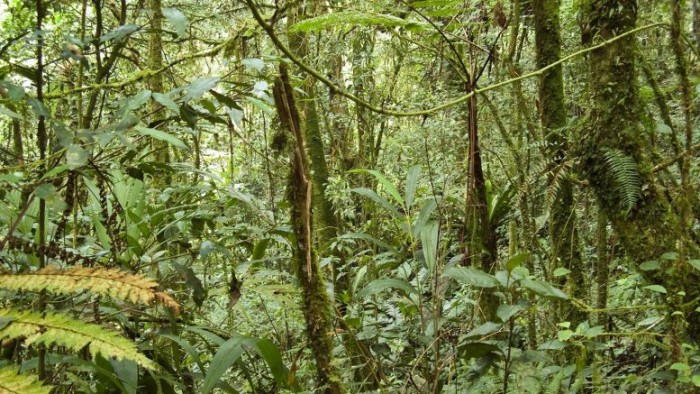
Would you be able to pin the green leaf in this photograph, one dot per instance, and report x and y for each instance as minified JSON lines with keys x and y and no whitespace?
{"x":411,"y":183}
{"x":471,"y":276}
{"x":11,"y":114}
{"x":516,"y":260}
{"x":671,"y":256}
{"x":656,"y":288}
{"x":378,"y":199}
{"x":76,"y":156}
{"x":484,"y":330}
{"x":163,"y":136}
{"x":650,"y":265}
{"x":200,"y":86}
{"x":564,"y":335}
{"x":119,"y":33}
{"x":177,"y":19}
{"x":429,"y":238}
{"x":272,"y":356}
{"x":561,"y":271}
{"x":229,"y":352}
{"x":425,"y":212}
{"x":680,"y":367}
{"x":260,"y":249}
{"x":379,"y":285}
{"x":253,"y":63}
{"x":476,"y":350}
{"x":369,"y":238}
{"x":544,"y":289}
{"x":166,"y":102}
{"x":505,"y":312}
{"x":695,"y":264}
{"x":390,"y":188}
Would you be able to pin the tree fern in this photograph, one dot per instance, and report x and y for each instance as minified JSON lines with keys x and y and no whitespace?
{"x":114,"y":283}
{"x":73,"y":334}
{"x":11,"y":382}
{"x":625,"y":176}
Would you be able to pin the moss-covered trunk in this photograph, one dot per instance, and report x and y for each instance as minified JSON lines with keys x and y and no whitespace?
{"x":316,"y":304}
{"x":565,"y":251}
{"x":614,"y":154}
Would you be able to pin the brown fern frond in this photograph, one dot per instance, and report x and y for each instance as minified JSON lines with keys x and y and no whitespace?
{"x":107,"y":282}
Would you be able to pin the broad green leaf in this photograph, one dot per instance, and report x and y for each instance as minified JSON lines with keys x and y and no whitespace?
{"x":429,"y":238}
{"x":425,"y":212}
{"x":119,"y":33}
{"x":39,"y":108}
{"x":561,"y":271}
{"x":54,"y":171}
{"x":163,"y":136}
{"x":369,"y":238}
{"x":681,"y":367}
{"x":166,"y":102}
{"x":177,"y":19}
{"x":359,"y":276}
{"x":225,"y":100}
{"x":671,"y":256}
{"x":505,"y":312}
{"x":516,"y":260}
{"x":411,"y":184}
{"x":76,"y":156}
{"x":471,"y":276}
{"x":187,"y":347}
{"x":390,"y":188}
{"x":656,"y":288}
{"x":261,"y":105}
{"x":564,"y":335}
{"x":253,"y":63}
{"x":484,"y":330}
{"x":543,"y":289}
{"x":476,"y":350}
{"x":136,"y":101}
{"x":260,"y":249}
{"x":229,"y":352}
{"x":650,"y":265}
{"x":379,"y":200}
{"x":379,"y":285}
{"x":695,"y":264}
{"x":11,"y":114}
{"x":200,"y":86}
{"x":272,"y":356}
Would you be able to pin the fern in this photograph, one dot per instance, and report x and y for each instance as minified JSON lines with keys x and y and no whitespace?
{"x":350,"y":18}
{"x":11,"y":382}
{"x":73,"y":334}
{"x":626,"y":178}
{"x":103,"y":281}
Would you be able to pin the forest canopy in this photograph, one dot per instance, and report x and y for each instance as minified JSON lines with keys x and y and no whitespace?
{"x":392,"y":196}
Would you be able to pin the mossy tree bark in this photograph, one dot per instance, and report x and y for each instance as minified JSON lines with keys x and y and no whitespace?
{"x":565,"y":251}
{"x":648,"y":225}
{"x":316,"y":304}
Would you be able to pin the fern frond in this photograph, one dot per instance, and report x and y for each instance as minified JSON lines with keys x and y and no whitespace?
{"x":557,"y":176}
{"x":113,"y":283}
{"x":73,"y":334}
{"x":12,"y":382}
{"x":623,"y":170}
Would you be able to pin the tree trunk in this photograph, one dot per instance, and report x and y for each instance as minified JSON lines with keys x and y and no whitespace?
{"x":316,"y":304}
{"x":565,"y":251}
{"x":617,"y":165}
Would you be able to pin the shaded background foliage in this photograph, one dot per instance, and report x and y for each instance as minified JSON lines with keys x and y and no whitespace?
{"x":504,"y":194}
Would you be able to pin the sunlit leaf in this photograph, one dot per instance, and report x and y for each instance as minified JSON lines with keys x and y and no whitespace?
{"x":163,"y":136}
{"x":177,"y":19}
{"x":471,"y":276}
{"x":379,"y":285}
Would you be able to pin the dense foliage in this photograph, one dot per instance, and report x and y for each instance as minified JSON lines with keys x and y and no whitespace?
{"x":393,"y":196}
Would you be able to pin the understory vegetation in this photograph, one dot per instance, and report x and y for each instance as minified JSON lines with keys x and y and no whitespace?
{"x":392,"y":196}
